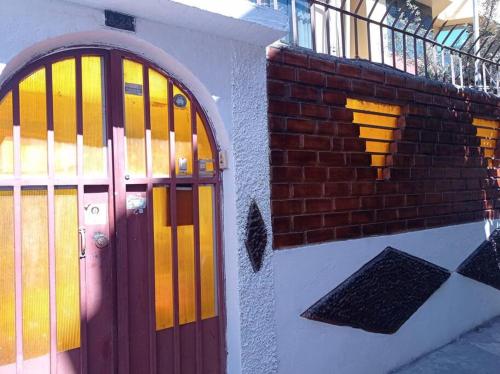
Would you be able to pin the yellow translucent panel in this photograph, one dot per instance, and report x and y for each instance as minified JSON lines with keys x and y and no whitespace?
{"x":373,"y":133}
{"x":33,"y":117}
{"x":183,"y":135}
{"x":489,"y":152}
{"x":134,"y":117}
{"x":67,"y":269}
{"x":375,"y":120}
{"x":487,"y":133}
{"x":485,"y":122}
{"x":64,"y":109}
{"x":371,"y":106}
{"x":206,"y":157}
{"x":488,"y":143}
{"x":6,"y":128}
{"x":163,"y":259}
{"x":207,"y":252}
{"x":94,"y":129}
{"x":158,"y":108}
{"x":7,"y":280}
{"x":185,"y":239}
{"x":377,"y":147}
{"x":378,"y":160}
{"x":35,"y":273}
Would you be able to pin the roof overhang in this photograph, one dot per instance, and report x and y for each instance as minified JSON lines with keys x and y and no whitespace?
{"x":233,"y":19}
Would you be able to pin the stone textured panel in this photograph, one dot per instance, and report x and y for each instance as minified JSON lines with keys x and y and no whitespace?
{"x":256,"y":240}
{"x":483,"y":265}
{"x":382,"y":295}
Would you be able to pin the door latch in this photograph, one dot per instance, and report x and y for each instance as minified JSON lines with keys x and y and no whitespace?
{"x":83,"y":241}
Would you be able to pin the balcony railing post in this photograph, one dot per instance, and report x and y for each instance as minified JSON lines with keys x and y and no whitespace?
{"x":294,"y":22}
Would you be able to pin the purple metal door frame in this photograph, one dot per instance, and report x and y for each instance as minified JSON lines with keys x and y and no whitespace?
{"x":116,"y":182}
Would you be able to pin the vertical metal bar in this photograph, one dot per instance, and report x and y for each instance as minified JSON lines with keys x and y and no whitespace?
{"x":368,"y":31}
{"x":116,"y":82}
{"x":485,"y":83}
{"x":404,"y":51}
{"x":434,"y":58}
{"x":51,"y":219}
{"x":393,"y":49}
{"x":425,"y":58}
{"x":17,"y":230}
{"x":356,"y":42}
{"x":415,"y":57}
{"x":276,"y":5}
{"x":443,"y":62}
{"x":342,"y":28}
{"x":312,"y":10}
{"x":150,"y":228}
{"x":461,"y":71}
{"x":327,"y":28}
{"x":452,"y":67}
{"x":81,"y":215}
{"x":197,"y":255}
{"x":173,"y":220}
{"x":382,"y":44}
{"x":294,"y":22}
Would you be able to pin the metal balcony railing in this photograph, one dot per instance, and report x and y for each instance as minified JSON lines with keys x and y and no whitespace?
{"x":394,"y":35}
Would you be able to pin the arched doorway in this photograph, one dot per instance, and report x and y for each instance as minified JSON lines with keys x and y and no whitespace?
{"x":110,"y":255}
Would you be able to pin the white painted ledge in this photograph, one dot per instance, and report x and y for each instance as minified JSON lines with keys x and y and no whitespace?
{"x":233,"y":19}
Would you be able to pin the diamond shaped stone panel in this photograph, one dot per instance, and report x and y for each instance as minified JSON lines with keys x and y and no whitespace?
{"x":483,"y":265}
{"x":256,"y":239}
{"x":382,"y":295}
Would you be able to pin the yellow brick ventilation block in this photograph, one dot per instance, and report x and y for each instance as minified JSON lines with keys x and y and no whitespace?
{"x":487,"y":131}
{"x":377,"y":122}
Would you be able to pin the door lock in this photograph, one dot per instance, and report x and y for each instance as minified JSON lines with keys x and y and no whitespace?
{"x":100,"y":240}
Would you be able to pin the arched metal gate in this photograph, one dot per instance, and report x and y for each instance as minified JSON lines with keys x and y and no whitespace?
{"x":109,"y":233}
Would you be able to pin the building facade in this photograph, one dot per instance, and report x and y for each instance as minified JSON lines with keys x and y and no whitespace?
{"x":182,"y":197}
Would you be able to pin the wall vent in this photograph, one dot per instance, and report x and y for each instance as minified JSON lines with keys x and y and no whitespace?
{"x":119,"y":20}
{"x":377,"y":122}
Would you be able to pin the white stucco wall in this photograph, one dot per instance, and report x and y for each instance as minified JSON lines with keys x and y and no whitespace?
{"x":228,"y":78}
{"x":304,"y":275}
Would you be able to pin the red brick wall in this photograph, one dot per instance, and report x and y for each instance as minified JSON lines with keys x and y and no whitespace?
{"x":323,"y":187}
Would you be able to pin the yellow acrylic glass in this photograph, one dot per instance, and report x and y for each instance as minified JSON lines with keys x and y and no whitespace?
{"x":487,"y":133}
{"x":158,"y":109}
{"x":67,"y":269}
{"x":64,"y":111}
{"x":185,"y":255}
{"x":206,"y":157}
{"x":7,"y":280}
{"x":134,"y":118}
{"x":485,"y":122}
{"x":94,"y":129}
{"x":6,"y":143}
{"x":488,"y":152}
{"x":35,"y":273}
{"x":378,"y":160}
{"x":375,"y":133}
{"x":488,"y":143}
{"x":207,"y":252}
{"x":163,"y":259}
{"x":377,"y":147}
{"x":33,"y":118}
{"x":371,"y":106}
{"x":375,"y":120}
{"x":183,"y":136}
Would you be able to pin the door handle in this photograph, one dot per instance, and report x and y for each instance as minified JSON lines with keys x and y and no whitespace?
{"x":83,"y":241}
